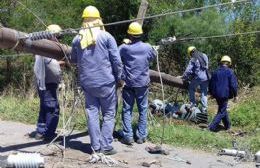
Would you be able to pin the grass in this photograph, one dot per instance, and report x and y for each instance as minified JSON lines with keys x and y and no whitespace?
{"x":245,"y":117}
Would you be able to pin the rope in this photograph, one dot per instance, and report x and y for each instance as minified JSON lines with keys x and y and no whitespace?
{"x":162,"y":88}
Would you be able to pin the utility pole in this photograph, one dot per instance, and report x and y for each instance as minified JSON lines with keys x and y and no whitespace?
{"x":142,"y":11}
{"x":11,"y":39}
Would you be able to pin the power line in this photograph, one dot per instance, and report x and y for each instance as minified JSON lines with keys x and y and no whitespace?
{"x":216,"y":36}
{"x":165,"y":14}
{"x":32,"y":13}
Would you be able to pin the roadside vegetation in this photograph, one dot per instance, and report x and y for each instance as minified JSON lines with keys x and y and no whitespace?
{"x":244,"y":117}
{"x":19,"y":101}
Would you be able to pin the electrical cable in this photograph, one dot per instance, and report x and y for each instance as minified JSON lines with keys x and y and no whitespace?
{"x":168,"y":13}
{"x":32,"y":13}
{"x":41,"y":35}
{"x":216,"y":36}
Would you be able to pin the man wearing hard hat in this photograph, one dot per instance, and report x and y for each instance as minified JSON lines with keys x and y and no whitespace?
{"x":136,"y":56}
{"x":223,"y":86}
{"x":96,"y":54}
{"x":197,"y":73}
{"x":48,"y":75}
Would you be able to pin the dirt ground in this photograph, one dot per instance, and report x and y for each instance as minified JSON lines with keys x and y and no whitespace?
{"x":13,"y":138}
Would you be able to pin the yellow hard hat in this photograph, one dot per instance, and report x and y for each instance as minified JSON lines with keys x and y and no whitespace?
{"x":190,"y":49}
{"x":91,"y":12}
{"x":135,"y":29}
{"x":54,"y":28}
{"x":226,"y":58}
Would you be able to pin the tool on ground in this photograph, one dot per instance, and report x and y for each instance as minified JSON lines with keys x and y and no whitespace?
{"x":21,"y":160}
{"x":100,"y":157}
{"x":178,"y":159}
{"x":257,"y":159}
{"x":149,"y":164}
{"x":157,"y":150}
{"x":232,"y":152}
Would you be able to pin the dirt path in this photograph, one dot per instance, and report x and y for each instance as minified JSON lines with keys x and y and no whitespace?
{"x":12,"y":138}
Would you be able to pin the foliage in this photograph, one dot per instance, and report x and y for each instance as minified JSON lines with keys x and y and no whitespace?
{"x":246,"y":114}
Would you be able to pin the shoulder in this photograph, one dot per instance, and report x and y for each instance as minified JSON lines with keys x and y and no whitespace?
{"x":147,"y":45}
{"x":76,"y":39}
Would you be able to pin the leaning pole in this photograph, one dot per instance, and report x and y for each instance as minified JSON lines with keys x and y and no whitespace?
{"x":12,"y":39}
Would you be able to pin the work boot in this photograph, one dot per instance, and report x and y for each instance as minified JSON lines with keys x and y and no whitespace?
{"x":127,"y":141}
{"x":109,"y":152}
{"x":140,"y":141}
{"x":39,"y":136}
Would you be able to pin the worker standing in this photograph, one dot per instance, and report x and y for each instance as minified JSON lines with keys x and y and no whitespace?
{"x":223,"y":86}
{"x":96,"y":54}
{"x":48,"y":75}
{"x":136,"y":56}
{"x":197,"y":73}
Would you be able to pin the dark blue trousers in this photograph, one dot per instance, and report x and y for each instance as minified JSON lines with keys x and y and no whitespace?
{"x":49,"y":110}
{"x":130,"y":94}
{"x":222,"y":115}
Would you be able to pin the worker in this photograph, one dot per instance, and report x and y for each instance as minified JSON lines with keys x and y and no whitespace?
{"x":223,"y":86}
{"x":48,"y":75}
{"x":96,"y":54}
{"x":135,"y":56}
{"x":197,"y":74}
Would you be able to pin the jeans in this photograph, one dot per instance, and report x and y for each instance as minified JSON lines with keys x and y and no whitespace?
{"x":104,"y":99}
{"x":222,"y":115}
{"x":49,"y":110}
{"x":140,"y":94}
{"x":204,"y":91}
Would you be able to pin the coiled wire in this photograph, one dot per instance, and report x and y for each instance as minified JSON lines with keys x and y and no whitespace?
{"x":42,"y":35}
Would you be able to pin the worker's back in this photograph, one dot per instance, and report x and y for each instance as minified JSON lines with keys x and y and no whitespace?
{"x":223,"y":83}
{"x":136,"y":57}
{"x":95,"y":61}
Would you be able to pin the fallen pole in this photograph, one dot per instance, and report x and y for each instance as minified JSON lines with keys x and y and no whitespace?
{"x":11,"y":39}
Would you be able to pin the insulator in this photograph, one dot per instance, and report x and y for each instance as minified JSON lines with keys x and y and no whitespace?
{"x":21,"y":160}
{"x":168,"y":40}
{"x":41,"y":35}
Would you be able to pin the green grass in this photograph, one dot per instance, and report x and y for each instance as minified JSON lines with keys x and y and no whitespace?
{"x":244,"y":117}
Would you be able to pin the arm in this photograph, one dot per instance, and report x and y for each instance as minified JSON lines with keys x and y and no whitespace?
{"x":188,"y":71}
{"x":74,"y":50}
{"x":121,"y":53}
{"x":114,"y":58}
{"x":233,"y":85}
{"x":151,"y":54}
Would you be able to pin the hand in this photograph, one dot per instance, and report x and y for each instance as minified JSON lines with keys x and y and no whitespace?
{"x":62,"y":63}
{"x":180,"y":77}
{"x":235,"y":99}
{"x":120,"y":83}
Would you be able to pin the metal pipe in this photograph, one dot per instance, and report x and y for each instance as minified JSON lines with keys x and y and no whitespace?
{"x":11,"y":39}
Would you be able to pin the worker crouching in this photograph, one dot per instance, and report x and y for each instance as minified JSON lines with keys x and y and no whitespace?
{"x":223,"y":86}
{"x":96,"y":54}
{"x":135,"y":56}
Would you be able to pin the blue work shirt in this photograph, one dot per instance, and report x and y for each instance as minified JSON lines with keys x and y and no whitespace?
{"x":136,"y":57}
{"x":194,"y":69}
{"x":99,"y":64}
{"x":223,"y":83}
